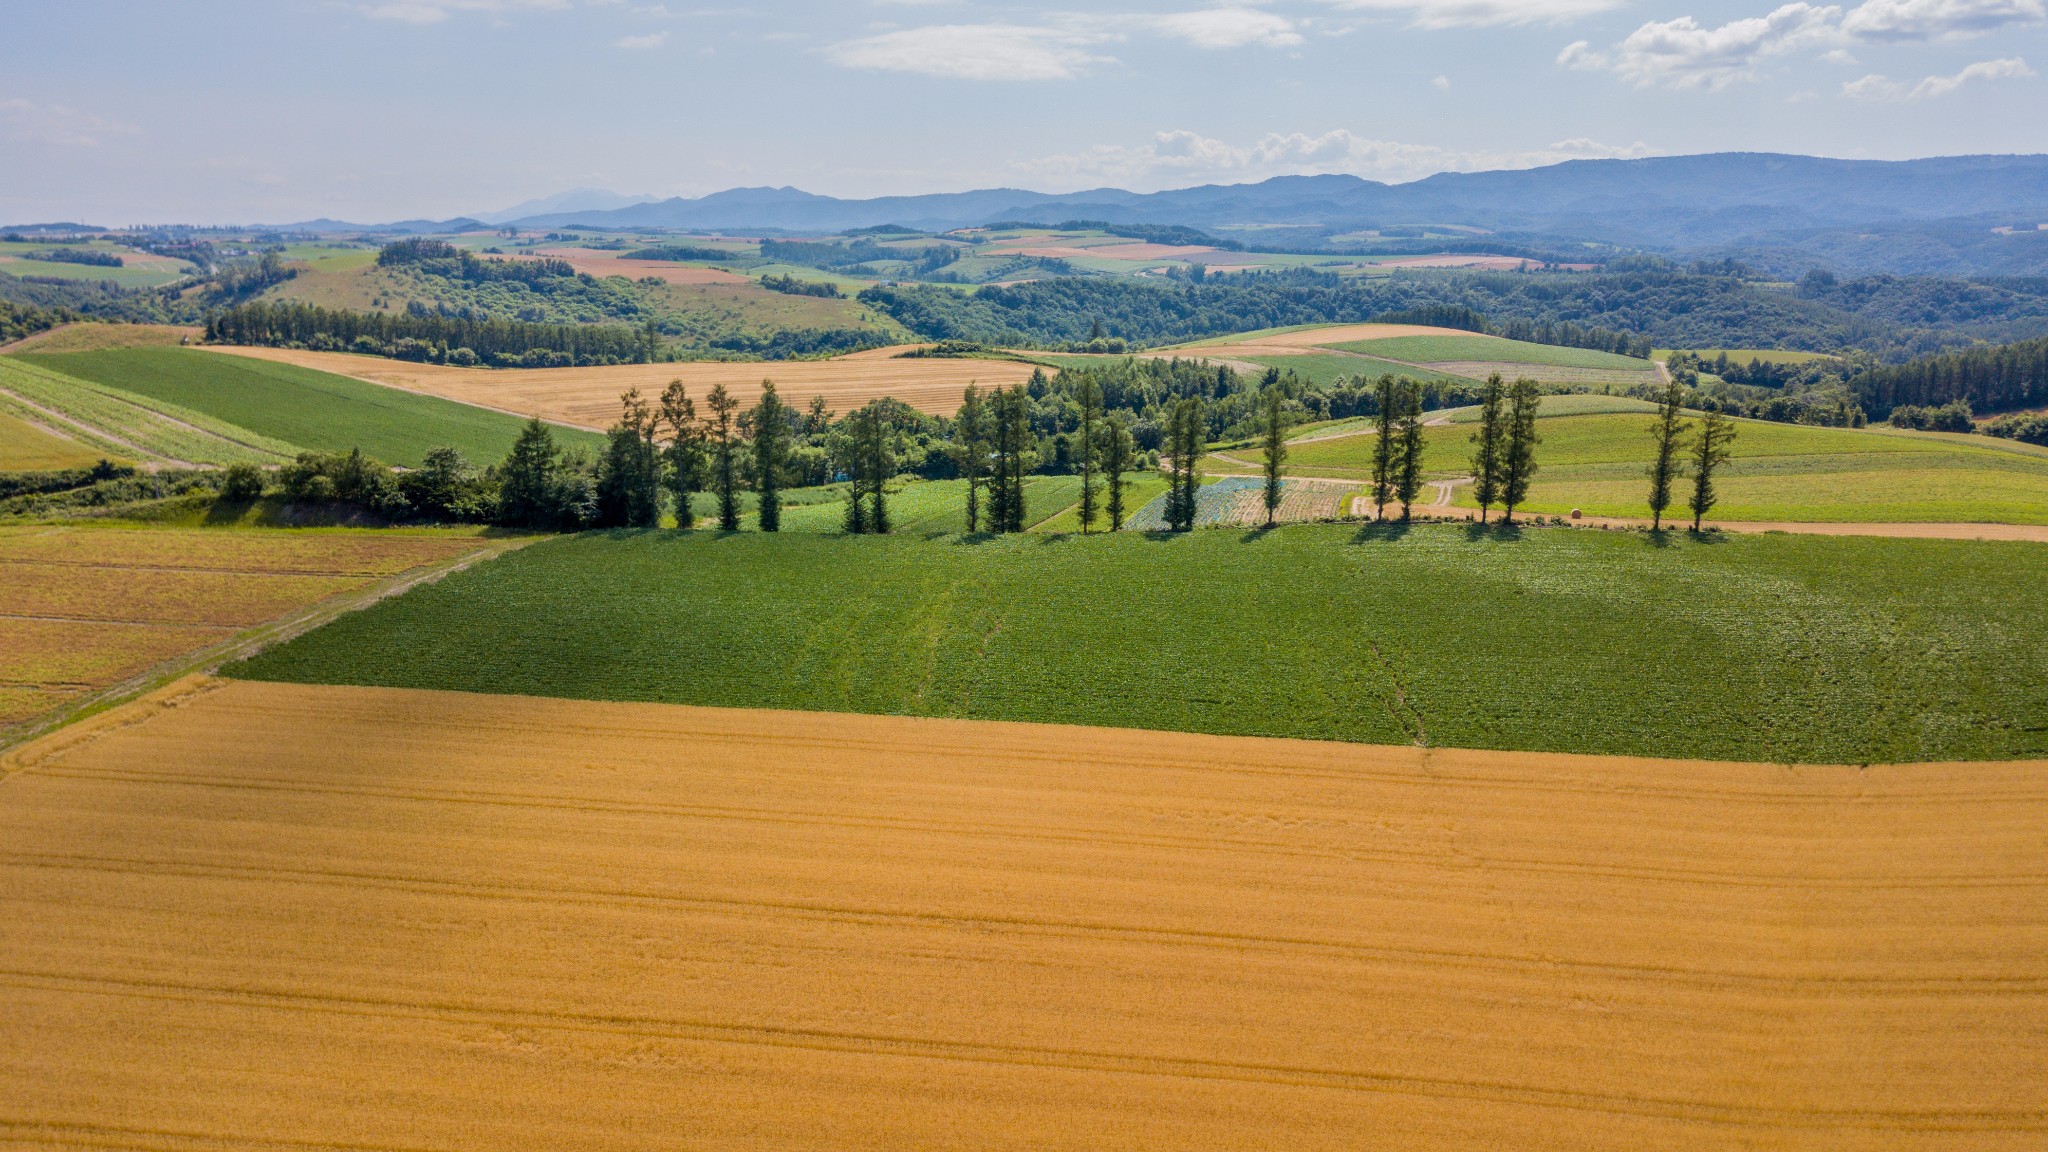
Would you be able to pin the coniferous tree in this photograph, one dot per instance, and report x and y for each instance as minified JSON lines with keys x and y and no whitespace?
{"x":770,"y":420}
{"x":1408,"y":470}
{"x":971,"y":451}
{"x":1710,"y":450}
{"x":1385,"y":449}
{"x":1275,"y":414}
{"x":721,"y":429}
{"x":1491,"y":457}
{"x":529,"y":485}
{"x":1189,"y":438}
{"x":684,"y":456}
{"x":629,"y":474}
{"x":1089,"y":396}
{"x":1668,"y":434}
{"x":1519,"y":465}
{"x":1011,"y":436}
{"x":1117,"y":448}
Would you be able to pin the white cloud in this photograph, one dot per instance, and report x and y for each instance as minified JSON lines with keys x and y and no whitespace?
{"x":1442,"y":83}
{"x":1876,"y":87}
{"x":27,"y":122}
{"x":1061,"y":49}
{"x":435,"y":11}
{"x":1178,"y":157}
{"x":1228,"y":28}
{"x":1920,"y":20}
{"x":976,"y":52}
{"x":642,"y":42}
{"x":1437,"y":14}
{"x":1682,"y":53}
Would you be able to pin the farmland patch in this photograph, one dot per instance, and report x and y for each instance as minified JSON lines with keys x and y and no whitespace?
{"x":337,"y":917}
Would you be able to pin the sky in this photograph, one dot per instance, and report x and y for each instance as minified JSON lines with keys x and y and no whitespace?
{"x":119,"y":112}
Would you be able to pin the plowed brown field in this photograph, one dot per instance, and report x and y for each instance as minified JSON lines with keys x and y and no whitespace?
{"x":589,"y":397}
{"x":83,"y":609}
{"x":264,"y":915}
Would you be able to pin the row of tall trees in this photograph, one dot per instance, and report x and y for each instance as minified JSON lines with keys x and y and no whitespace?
{"x":1504,"y":459}
{"x":1679,"y":447}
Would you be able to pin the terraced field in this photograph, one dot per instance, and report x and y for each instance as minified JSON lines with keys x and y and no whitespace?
{"x":292,"y":409}
{"x":589,"y":397}
{"x":263,"y":915}
{"x":85,"y":608}
{"x":1780,"y":472}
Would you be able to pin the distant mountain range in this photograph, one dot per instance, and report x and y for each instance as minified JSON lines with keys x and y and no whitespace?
{"x":1737,"y":189}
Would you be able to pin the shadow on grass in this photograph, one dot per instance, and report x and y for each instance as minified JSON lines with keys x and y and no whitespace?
{"x":1497,"y":530}
{"x":1381,"y":530}
{"x":1254,"y":535}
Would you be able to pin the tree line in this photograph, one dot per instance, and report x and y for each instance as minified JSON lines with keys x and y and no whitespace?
{"x":498,"y":343}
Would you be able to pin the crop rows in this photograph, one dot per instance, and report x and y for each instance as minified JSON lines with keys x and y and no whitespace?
{"x":1762,"y":647}
{"x":159,"y":428}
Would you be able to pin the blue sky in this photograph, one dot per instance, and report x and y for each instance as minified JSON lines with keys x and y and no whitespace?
{"x":131,"y":112}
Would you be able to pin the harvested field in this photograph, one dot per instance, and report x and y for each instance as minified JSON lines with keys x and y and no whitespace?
{"x":589,"y":397}
{"x":598,"y":263}
{"x":252,"y":915}
{"x":83,"y":609}
{"x":91,"y":337}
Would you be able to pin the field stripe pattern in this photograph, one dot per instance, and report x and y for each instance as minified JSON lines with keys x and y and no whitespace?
{"x":255,"y":915}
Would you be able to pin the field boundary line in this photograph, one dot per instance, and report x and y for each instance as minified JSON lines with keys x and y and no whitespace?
{"x":231,"y":350}
{"x":17,"y":751}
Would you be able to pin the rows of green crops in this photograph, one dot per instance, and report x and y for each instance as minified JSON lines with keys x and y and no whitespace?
{"x":1769,"y":647}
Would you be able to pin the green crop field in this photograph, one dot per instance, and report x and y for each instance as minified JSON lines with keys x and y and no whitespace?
{"x":25,"y":447}
{"x":1322,"y":371}
{"x":1768,"y":647}
{"x":314,"y":410}
{"x":1568,"y":404}
{"x":1140,"y":488}
{"x":1489,"y":349}
{"x":120,"y":423}
{"x":1595,"y":463}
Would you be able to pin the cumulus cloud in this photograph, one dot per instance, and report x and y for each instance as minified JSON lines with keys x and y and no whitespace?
{"x":1875,"y":87}
{"x":28,"y":122}
{"x":1922,"y":20}
{"x":1683,"y":53}
{"x":642,"y":42}
{"x":1180,"y":156}
{"x":1438,"y":14}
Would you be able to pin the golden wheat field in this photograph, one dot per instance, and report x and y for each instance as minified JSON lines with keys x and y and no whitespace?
{"x":84,"y":607}
{"x":248,"y":915}
{"x":589,"y":397}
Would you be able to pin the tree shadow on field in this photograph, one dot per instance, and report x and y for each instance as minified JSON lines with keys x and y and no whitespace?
{"x":969,"y":539}
{"x":1382,"y":531}
{"x":1497,"y":530}
{"x":1661,"y":537}
{"x":1163,"y":535}
{"x":1254,"y":535}
{"x":1708,"y":536}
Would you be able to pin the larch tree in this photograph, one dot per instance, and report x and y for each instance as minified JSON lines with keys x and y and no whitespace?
{"x":770,"y":420}
{"x":683,"y":459}
{"x":1117,"y":452}
{"x":971,"y":451}
{"x":1189,"y":433}
{"x":1710,"y":450}
{"x":1385,"y":448}
{"x":629,"y":473}
{"x":1490,"y":456}
{"x":1519,"y":465}
{"x":1408,"y":470}
{"x":721,"y":429}
{"x":1273,"y":412}
{"x":1668,"y":437}
{"x":1089,"y":397}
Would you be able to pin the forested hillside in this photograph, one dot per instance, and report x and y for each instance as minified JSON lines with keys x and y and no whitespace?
{"x":1675,"y":308}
